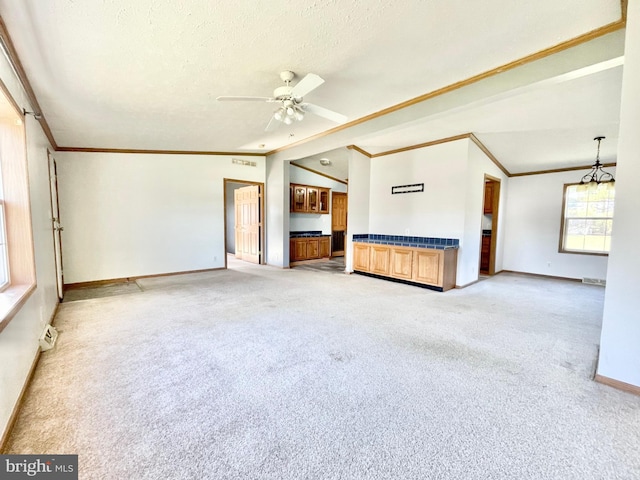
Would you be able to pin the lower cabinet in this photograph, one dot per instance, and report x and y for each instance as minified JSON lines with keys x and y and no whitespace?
{"x":401,"y":263}
{"x":361,"y":257}
{"x":485,"y":254}
{"x":435,"y":268}
{"x":379,"y":259}
{"x":309,"y":248}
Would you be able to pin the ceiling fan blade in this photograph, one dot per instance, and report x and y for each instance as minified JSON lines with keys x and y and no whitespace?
{"x":310,"y":82}
{"x":273,"y":124}
{"x":243,"y":99}
{"x":324,"y":112}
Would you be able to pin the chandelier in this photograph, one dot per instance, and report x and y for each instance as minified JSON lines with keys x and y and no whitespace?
{"x":597,"y":175}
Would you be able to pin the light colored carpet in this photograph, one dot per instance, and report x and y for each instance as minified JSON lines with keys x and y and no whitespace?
{"x":84,"y":293}
{"x":261,"y":373}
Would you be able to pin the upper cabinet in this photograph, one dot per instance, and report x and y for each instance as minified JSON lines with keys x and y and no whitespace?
{"x":488,"y":197}
{"x":299,"y":198}
{"x":309,"y":199}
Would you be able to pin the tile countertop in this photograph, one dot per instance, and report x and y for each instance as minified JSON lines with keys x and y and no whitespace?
{"x":309,"y":233}
{"x":408,"y":241}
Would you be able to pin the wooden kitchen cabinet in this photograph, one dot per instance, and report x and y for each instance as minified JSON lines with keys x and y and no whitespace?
{"x":427,"y":266}
{"x":401,"y":262}
{"x":485,"y":254}
{"x":379,"y":259}
{"x":313,"y":201}
{"x":309,"y":199}
{"x":298,"y":249}
{"x":325,"y":247}
{"x":309,"y":248}
{"x":488,"y":197}
{"x":324,"y":195}
{"x":313,"y":248}
{"x":299,"y":199}
{"x":361,"y":257}
{"x":424,"y":266}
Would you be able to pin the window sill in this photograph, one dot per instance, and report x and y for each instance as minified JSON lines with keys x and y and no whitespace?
{"x":12,"y":299}
{"x":584,"y":253}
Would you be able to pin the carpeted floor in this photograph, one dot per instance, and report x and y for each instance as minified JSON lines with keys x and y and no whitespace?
{"x":109,"y":290}
{"x":262,"y":373}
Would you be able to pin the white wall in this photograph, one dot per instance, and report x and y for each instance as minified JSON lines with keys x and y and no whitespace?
{"x":128,"y":215}
{"x":470,"y":244}
{"x":620,"y":340}
{"x":451,"y":205}
{"x":532,"y":229}
{"x":277,"y":206}
{"x":309,"y":221}
{"x":357,"y":202}
{"x":436,"y":212}
{"x":19,"y":340}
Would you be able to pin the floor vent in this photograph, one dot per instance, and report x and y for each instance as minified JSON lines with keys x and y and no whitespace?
{"x":595,"y":281}
{"x":48,"y":338}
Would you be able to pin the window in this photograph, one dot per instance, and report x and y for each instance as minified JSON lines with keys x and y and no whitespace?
{"x":587,"y":218}
{"x":4,"y":258}
{"x":17,"y":264}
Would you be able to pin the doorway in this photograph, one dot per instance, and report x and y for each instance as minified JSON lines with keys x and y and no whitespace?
{"x":490,"y":211}
{"x":338,"y":223}
{"x":244,"y":220}
{"x":56,"y":227}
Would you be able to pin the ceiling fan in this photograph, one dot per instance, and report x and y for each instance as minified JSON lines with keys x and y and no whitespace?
{"x":292,"y":108}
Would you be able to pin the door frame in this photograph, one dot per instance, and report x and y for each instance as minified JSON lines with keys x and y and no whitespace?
{"x":56,"y":226}
{"x":261,"y":237}
{"x":346,"y":195}
{"x":495,"y":212}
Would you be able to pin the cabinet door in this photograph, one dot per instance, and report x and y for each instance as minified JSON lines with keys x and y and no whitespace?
{"x":324,"y":200}
{"x":485,"y":254}
{"x":313,"y":248}
{"x":401,"y":263}
{"x":379,"y":262}
{"x":488,"y":197}
{"x":298,"y":249}
{"x":325,"y":247}
{"x":299,"y":199}
{"x":427,"y":266}
{"x":313,"y":203}
{"x":361,"y":257}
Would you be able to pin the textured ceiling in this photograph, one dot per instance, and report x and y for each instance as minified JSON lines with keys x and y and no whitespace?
{"x":144,"y":74}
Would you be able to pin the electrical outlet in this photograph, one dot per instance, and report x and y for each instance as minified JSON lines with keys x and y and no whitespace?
{"x":549,"y":264}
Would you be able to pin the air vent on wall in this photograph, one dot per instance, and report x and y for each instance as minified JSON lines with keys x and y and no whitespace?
{"x":246,"y":163}
{"x":48,"y":338}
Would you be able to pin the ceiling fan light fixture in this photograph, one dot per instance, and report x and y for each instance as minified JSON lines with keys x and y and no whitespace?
{"x":287,"y":120}
{"x":278,"y":115}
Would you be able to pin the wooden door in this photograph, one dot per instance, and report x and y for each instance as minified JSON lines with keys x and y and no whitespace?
{"x":427,"y":266}
{"x":248,"y":223}
{"x":338,"y":222}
